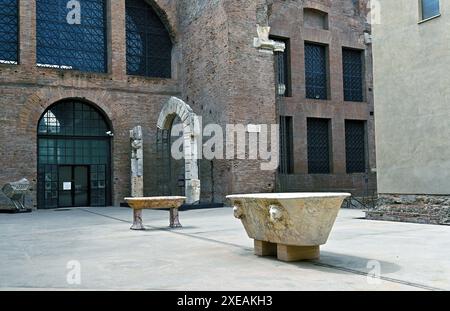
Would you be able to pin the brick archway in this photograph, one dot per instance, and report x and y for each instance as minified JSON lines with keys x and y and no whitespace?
{"x":191,"y":131}
{"x":39,"y":102}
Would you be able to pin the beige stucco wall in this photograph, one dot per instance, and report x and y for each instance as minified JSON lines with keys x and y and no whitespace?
{"x":412,"y":99}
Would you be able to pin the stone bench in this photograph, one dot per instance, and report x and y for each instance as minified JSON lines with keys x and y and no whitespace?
{"x":291,"y":226}
{"x":138,"y":204}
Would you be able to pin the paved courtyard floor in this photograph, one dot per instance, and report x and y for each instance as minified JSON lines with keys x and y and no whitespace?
{"x":212,"y":252}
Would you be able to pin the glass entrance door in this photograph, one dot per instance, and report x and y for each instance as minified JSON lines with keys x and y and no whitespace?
{"x":81,"y":186}
{"x":65,"y":186}
{"x":73,"y":186}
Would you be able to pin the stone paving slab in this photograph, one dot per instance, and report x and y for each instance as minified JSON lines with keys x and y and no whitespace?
{"x":211,"y":252}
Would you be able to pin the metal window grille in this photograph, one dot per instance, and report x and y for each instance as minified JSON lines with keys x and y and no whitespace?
{"x":149,"y":47}
{"x":71,"y":46}
{"x":318,"y":146}
{"x":73,"y":118}
{"x":163,"y":169}
{"x":9,"y":23}
{"x":286,"y":146}
{"x":355,"y":146}
{"x":316,"y":71}
{"x":353,"y":75}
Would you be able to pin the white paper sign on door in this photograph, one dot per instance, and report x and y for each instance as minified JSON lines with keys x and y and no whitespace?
{"x":67,"y":186}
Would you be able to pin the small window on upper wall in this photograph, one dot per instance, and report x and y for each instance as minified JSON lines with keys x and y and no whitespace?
{"x":313,"y":18}
{"x":9,"y":25}
{"x":429,"y":9}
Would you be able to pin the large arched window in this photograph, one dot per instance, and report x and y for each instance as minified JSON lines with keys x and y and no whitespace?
{"x":71,"y":34}
{"x":149,"y":47}
{"x":9,"y":24}
{"x":73,"y":156}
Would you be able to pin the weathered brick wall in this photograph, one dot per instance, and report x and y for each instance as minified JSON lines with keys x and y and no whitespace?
{"x":252,"y":96}
{"x":347,"y":23}
{"x":216,"y":70}
{"x":26,"y":91}
{"x":205,"y":50}
{"x":227,"y":80}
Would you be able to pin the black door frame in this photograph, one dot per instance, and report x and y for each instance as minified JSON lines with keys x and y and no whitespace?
{"x":72,"y":191}
{"x":108,"y":166}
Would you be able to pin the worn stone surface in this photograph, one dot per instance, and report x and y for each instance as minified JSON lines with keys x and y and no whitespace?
{"x":175,"y":107}
{"x":139,"y":204}
{"x":426,"y":209}
{"x":155,"y":202}
{"x":205,"y":258}
{"x":137,"y":162}
{"x":297,"y":219}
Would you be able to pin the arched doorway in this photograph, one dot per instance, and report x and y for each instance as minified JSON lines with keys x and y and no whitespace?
{"x":174,"y":108}
{"x":74,"y":156}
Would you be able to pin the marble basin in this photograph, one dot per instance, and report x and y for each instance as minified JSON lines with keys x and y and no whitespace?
{"x":289,"y":225}
{"x":138,"y":204}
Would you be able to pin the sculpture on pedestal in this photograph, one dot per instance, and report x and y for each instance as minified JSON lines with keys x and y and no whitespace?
{"x":16,"y":191}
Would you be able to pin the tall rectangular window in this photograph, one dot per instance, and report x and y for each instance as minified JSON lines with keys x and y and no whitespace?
{"x":283,"y":66}
{"x":9,"y":26}
{"x":73,"y":38}
{"x":316,"y":73}
{"x":149,"y":46}
{"x":286,"y":145}
{"x":319,"y":146}
{"x":429,"y":8}
{"x":355,"y":146}
{"x":352,"y":61}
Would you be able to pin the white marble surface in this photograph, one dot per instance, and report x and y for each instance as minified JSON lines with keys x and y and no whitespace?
{"x":297,"y":219}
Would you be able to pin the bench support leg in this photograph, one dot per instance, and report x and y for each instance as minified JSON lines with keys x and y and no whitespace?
{"x":137,"y":220}
{"x":174,"y":218}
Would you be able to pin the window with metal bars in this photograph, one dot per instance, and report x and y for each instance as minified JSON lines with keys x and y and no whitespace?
{"x":286,"y":146}
{"x":149,"y":46}
{"x":355,"y":146}
{"x":9,"y":26}
{"x":352,"y":61}
{"x":319,"y":148}
{"x":316,"y":73}
{"x":64,"y":45}
{"x":429,"y":8}
{"x":283,"y":67}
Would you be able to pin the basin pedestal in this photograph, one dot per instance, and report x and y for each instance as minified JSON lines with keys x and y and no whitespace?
{"x":286,"y":252}
{"x":138,"y":204}
{"x":291,"y":226}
